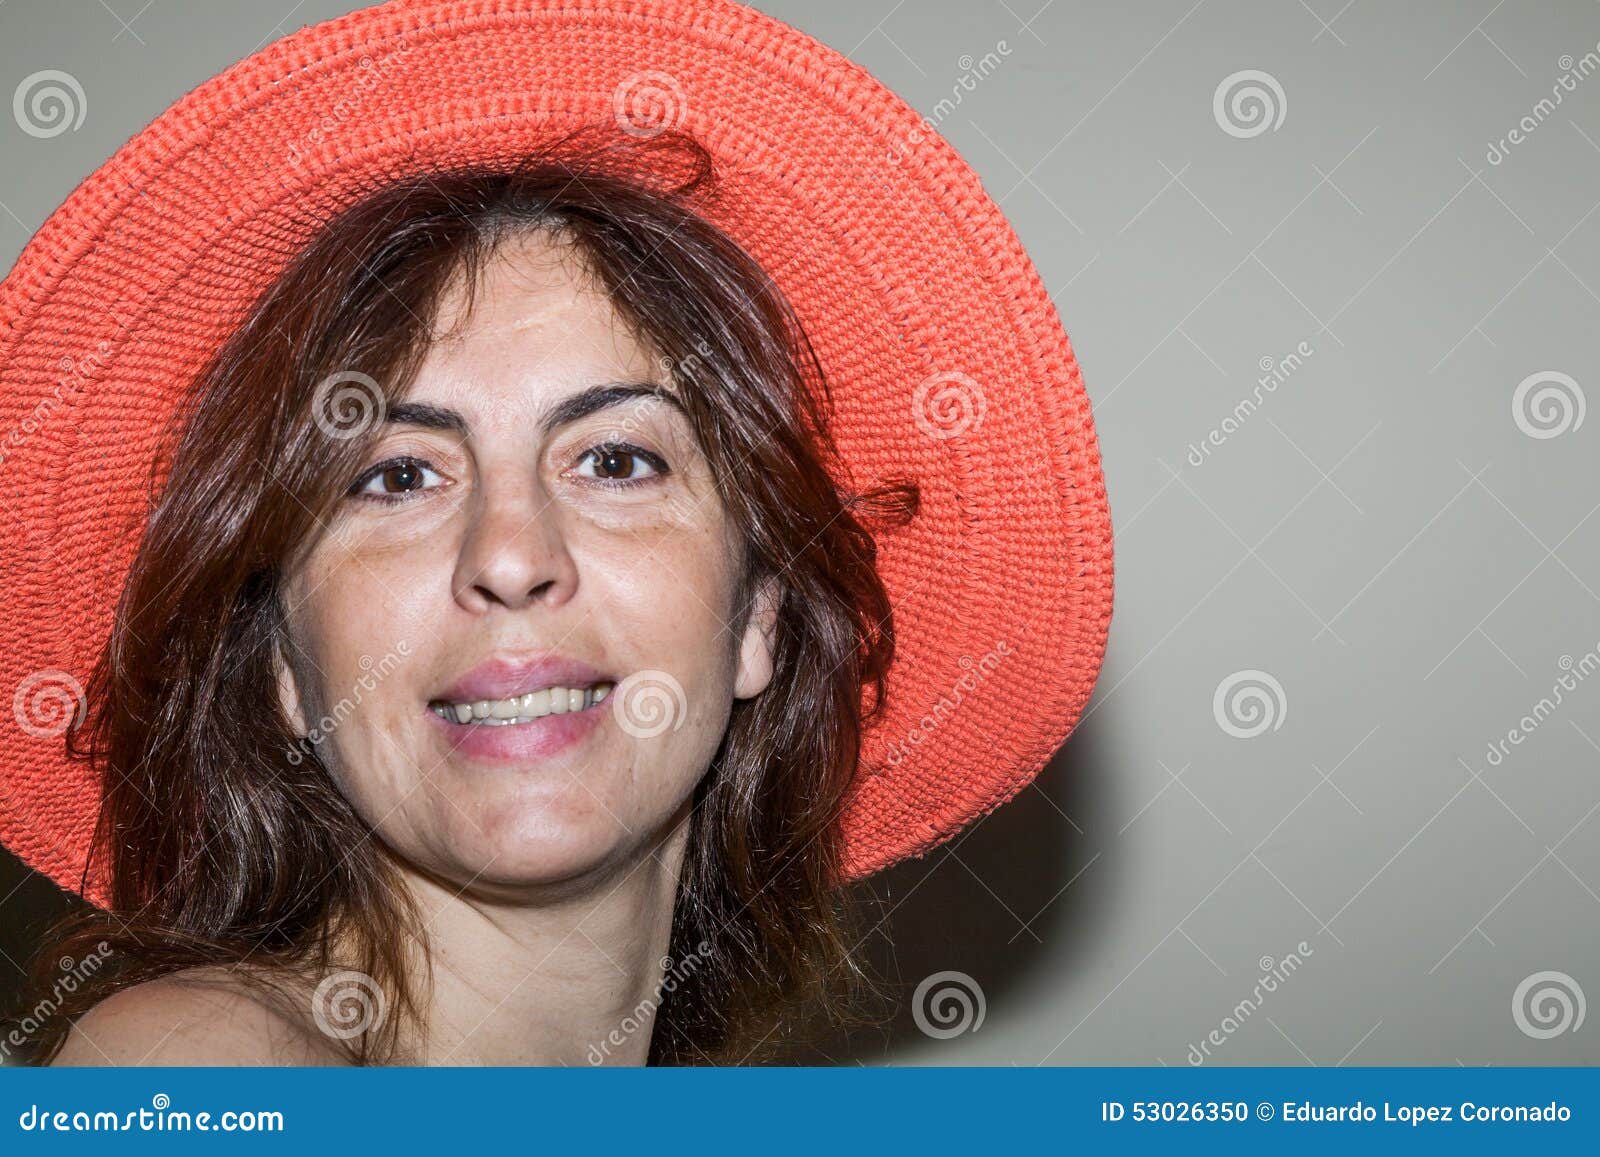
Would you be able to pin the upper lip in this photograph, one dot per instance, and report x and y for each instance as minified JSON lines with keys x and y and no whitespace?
{"x":507,"y":677}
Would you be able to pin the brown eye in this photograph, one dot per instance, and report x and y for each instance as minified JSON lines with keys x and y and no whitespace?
{"x":619,"y":464}
{"x":406,"y":477}
{"x":397,"y":477}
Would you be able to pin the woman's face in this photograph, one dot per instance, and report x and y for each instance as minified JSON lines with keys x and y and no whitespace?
{"x":517,"y":525}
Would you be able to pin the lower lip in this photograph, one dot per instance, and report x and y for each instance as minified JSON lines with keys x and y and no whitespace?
{"x":520,"y":742}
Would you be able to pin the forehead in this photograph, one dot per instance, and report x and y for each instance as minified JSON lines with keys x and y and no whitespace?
{"x":540,"y":326}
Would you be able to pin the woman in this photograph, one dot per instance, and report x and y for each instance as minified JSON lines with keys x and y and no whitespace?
{"x":563,"y":572}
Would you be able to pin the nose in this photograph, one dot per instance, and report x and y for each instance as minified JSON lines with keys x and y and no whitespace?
{"x":515,"y":551}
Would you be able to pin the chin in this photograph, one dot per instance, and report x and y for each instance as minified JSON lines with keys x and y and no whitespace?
{"x":538,"y":845}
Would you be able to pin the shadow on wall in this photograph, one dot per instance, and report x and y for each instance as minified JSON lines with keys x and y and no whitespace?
{"x":990,"y":904}
{"x":994,"y":904}
{"x":29,"y":903}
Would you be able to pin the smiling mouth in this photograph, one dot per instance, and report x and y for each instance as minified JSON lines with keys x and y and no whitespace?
{"x":523,"y":708}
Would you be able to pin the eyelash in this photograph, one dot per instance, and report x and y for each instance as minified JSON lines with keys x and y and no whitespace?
{"x":356,"y":488}
{"x":655,"y":461}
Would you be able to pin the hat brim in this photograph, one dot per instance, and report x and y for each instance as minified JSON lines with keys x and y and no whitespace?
{"x":947,"y":358}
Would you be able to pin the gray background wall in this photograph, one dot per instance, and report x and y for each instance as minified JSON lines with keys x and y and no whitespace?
{"x":1397,"y":535}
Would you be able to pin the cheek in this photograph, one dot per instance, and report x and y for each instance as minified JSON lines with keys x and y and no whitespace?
{"x":363,"y":628}
{"x":365,"y":596}
{"x":660,"y":603}
{"x":661,"y":613}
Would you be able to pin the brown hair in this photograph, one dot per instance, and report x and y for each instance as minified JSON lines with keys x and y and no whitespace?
{"x":224,"y":850}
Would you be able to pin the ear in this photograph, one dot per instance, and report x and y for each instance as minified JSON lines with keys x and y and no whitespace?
{"x":759,"y":644}
{"x":288,"y":689}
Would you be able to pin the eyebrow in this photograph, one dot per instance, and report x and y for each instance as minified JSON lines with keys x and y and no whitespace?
{"x":570,"y":409}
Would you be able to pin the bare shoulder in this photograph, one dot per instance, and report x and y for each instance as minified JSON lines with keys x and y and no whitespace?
{"x":199,"y":1016}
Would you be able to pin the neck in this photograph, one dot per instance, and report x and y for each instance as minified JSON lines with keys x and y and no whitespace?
{"x":567,"y":977}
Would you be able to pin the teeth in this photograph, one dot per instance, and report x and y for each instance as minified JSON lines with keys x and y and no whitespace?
{"x":524,"y":708}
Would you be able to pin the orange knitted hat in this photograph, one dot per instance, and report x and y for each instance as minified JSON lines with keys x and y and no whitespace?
{"x":947,"y":358}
